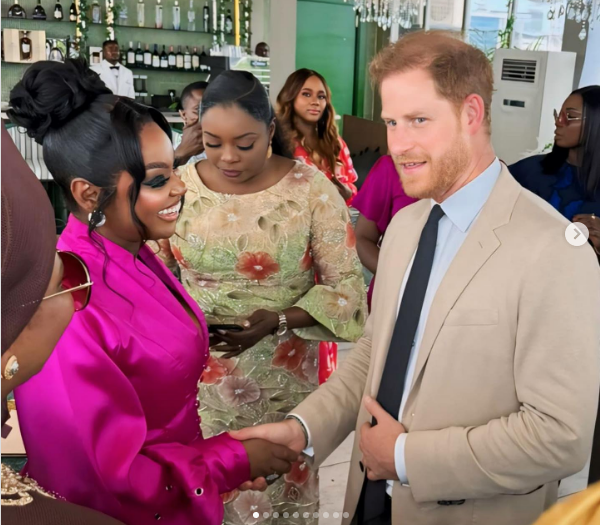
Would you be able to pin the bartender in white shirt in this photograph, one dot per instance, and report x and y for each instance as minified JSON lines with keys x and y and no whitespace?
{"x":117,"y":78}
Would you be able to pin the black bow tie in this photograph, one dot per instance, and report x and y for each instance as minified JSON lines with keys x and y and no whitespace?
{"x":114,"y":67}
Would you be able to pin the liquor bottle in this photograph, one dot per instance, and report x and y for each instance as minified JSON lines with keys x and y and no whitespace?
{"x":196,"y":60}
{"x":229,"y":23}
{"x":172,"y":59}
{"x":39,"y":13}
{"x":187,"y":59}
{"x":141,"y":13}
{"x":139,"y":56}
{"x":56,"y":55}
{"x":16,"y":11}
{"x":203,"y":54}
{"x":206,"y":18}
{"x":123,"y":12}
{"x":123,"y":56}
{"x":73,"y":13}
{"x":58,"y":12}
{"x":222,"y":23}
{"x":176,"y":16}
{"x":159,"y":15}
{"x":130,"y":55}
{"x":147,"y":57}
{"x":164,"y":59}
{"x":155,"y":58}
{"x":191,"y":15}
{"x":96,"y":13}
{"x":25,"y":46}
{"x":179,"y":58}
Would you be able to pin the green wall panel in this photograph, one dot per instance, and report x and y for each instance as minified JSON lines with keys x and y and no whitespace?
{"x":325,"y":42}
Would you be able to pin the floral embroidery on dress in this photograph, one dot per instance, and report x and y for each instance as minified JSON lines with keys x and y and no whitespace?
{"x":241,"y":253}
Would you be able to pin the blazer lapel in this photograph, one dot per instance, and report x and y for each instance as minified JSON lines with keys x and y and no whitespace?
{"x":480,"y":244}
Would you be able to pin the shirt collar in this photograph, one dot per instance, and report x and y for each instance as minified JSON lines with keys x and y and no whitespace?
{"x":463,"y":206}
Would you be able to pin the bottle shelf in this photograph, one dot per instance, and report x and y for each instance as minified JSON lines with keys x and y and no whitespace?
{"x":117,"y":27}
{"x":159,"y":70}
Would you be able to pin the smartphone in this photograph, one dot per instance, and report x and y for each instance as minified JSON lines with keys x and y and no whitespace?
{"x":212,"y":328}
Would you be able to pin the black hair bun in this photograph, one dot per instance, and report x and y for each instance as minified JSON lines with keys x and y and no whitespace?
{"x":52,"y":93}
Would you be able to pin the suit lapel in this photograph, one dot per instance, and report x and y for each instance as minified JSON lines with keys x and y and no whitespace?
{"x":478,"y":247}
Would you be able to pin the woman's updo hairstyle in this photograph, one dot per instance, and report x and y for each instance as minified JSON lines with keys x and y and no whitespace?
{"x":85,"y":131}
{"x":244,"y":90}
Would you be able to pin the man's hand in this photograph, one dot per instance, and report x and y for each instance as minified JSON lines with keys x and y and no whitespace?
{"x":191,"y":144}
{"x":288,"y":433}
{"x":378,"y":443}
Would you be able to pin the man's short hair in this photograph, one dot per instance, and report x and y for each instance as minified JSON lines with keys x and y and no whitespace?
{"x":108,"y":42}
{"x":458,"y":69}
{"x":189,"y":89}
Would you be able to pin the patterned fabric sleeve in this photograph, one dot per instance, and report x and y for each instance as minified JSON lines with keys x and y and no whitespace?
{"x":348,"y":174}
{"x":338,"y":303}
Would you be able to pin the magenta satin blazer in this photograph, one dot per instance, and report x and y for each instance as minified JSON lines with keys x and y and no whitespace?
{"x":111,"y":421}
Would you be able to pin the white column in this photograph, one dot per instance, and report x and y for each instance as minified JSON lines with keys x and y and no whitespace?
{"x":282,"y":43}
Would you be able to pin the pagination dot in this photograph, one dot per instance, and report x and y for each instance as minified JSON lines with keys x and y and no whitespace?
{"x":256,"y":515}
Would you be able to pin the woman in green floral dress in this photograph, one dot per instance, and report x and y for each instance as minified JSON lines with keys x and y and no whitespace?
{"x":255,"y":228}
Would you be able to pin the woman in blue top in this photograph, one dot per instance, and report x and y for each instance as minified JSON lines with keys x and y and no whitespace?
{"x":569,"y":176}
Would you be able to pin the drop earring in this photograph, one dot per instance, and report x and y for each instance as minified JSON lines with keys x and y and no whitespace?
{"x":97,"y":219}
{"x":270,"y":151}
{"x":11,"y":368}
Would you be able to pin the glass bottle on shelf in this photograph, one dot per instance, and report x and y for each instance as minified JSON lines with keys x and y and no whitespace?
{"x":187,"y":59}
{"x":56,"y":55}
{"x":25,"y":46}
{"x":229,"y":23}
{"x":130,"y":55}
{"x":16,"y":11}
{"x":147,"y":57}
{"x":39,"y":13}
{"x":96,"y":13}
{"x":195,"y":60}
{"x":191,"y":16}
{"x":58,"y":12}
{"x":73,"y":12}
{"x":206,"y":18}
{"x":172,"y":59}
{"x":141,"y":13}
{"x":123,"y":56}
{"x":179,"y":58}
{"x":222,"y":23}
{"x":155,"y":58}
{"x":158,"y":23}
{"x":176,"y":16}
{"x":123,"y":14}
{"x":164,"y":59}
{"x":203,"y":54}
{"x":139,"y":56}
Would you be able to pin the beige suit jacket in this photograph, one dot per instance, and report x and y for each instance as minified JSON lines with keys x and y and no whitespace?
{"x":505,"y":391}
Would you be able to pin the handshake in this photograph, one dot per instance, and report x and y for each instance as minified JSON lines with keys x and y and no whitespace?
{"x":271,"y":449}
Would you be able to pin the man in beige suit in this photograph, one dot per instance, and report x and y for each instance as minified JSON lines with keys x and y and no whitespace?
{"x":474,"y":388}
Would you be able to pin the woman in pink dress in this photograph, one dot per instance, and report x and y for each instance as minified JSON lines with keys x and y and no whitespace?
{"x":115,"y":407}
{"x":379,"y":199}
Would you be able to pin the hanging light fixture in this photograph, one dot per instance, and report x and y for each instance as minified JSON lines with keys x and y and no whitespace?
{"x":386,"y":13}
{"x":584,"y":13}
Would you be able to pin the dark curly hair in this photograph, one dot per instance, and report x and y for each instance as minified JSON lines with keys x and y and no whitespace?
{"x":85,"y":131}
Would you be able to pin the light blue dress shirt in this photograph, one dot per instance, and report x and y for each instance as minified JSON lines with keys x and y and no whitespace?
{"x":460,"y":211}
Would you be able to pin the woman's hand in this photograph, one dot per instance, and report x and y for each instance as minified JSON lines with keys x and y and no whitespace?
{"x":592,"y":222}
{"x":344,"y":190}
{"x":259,"y":325}
{"x":268,"y":460}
